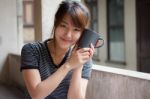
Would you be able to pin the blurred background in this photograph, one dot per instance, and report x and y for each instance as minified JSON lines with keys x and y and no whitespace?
{"x":123,"y":24}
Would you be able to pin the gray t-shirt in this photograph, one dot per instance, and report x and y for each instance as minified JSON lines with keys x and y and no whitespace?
{"x":37,"y":56}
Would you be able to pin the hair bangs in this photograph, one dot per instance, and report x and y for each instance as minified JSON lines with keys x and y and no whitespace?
{"x":78,"y":17}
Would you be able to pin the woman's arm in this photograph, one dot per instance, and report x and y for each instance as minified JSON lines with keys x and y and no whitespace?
{"x":40,"y":89}
{"x":78,"y":85}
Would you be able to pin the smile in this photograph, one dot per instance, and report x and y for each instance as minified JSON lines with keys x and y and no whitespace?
{"x":67,"y":40}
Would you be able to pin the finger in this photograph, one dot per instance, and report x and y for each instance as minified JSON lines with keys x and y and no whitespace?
{"x":91,"y":45}
{"x":86,"y":53}
{"x":92,"y":49}
{"x":85,"y":58}
{"x":91,"y":53}
{"x":82,"y":50}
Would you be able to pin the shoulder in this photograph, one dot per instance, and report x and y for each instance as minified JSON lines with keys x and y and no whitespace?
{"x":33,"y":46}
{"x":33,"y":49}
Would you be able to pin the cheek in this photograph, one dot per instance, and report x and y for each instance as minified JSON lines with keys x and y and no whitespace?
{"x":58,"y":32}
{"x":76,"y":37}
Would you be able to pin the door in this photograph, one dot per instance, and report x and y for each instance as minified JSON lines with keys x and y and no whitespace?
{"x":143,"y":35}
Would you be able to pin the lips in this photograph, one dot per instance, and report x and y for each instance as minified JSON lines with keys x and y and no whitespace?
{"x":66,"y":40}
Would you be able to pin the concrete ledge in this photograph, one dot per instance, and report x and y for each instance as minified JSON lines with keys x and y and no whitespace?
{"x":113,"y":83}
{"x":130,"y":73}
{"x":15,"y":75}
{"x":14,"y":88}
{"x":9,"y":92}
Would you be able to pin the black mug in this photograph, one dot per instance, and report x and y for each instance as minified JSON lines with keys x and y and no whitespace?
{"x":88,"y":36}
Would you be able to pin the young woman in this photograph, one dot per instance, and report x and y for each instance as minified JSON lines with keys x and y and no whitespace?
{"x":56,"y":68}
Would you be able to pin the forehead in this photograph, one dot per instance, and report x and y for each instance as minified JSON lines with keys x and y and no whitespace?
{"x":67,"y":19}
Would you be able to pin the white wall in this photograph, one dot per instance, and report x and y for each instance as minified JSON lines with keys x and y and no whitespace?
{"x":130,"y":34}
{"x":49,"y":8}
{"x":8,"y":33}
{"x":44,"y":18}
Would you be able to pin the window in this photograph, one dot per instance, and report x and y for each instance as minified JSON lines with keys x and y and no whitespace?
{"x":28,"y":21}
{"x":28,"y":13}
{"x":92,"y":5}
{"x":116,"y":43}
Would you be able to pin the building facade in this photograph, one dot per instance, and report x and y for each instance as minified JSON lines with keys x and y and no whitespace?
{"x":124,"y":25}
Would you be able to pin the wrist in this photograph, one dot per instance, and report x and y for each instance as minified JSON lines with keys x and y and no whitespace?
{"x":77,"y":70}
{"x":67,"y":66}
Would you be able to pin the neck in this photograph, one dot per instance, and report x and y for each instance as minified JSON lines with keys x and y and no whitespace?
{"x":56,"y":50}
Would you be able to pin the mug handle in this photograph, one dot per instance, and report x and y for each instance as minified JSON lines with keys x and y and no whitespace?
{"x":99,"y":41}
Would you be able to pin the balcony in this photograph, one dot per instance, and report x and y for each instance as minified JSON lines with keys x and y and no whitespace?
{"x":105,"y":83}
{"x":113,"y":83}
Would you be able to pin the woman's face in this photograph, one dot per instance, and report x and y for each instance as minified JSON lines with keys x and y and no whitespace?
{"x":66,"y":33}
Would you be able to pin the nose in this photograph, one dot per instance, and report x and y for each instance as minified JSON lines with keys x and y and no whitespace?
{"x":68,"y":34}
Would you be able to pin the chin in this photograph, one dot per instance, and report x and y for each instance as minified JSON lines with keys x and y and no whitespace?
{"x":64,"y":46}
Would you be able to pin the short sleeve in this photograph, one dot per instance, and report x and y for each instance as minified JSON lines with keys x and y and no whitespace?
{"x":29,"y":58}
{"x":86,"y":71}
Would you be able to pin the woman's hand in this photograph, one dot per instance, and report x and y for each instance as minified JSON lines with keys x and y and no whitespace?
{"x":92,"y":50}
{"x":80,"y":56}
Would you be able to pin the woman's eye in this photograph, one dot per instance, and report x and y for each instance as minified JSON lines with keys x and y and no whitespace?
{"x":76,"y":29}
{"x":63,"y":25}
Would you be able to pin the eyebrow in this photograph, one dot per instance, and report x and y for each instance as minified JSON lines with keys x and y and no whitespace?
{"x":63,"y":21}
